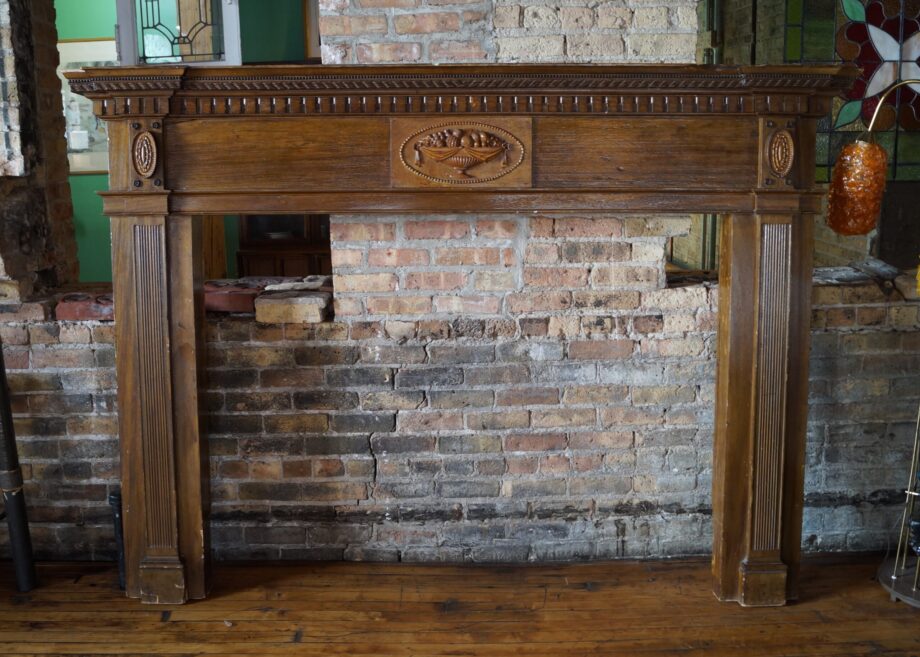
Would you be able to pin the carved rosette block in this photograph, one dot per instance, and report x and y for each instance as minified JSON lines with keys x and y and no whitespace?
{"x":781,"y":153}
{"x":462,"y":153}
{"x":778,"y":153}
{"x":144,"y":154}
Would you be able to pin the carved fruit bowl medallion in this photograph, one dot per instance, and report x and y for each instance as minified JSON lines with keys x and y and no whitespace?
{"x":462,"y":149}
{"x":459,"y":150}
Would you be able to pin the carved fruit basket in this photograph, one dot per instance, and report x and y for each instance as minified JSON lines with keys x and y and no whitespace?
{"x":461,"y":158}
{"x":461,"y":148}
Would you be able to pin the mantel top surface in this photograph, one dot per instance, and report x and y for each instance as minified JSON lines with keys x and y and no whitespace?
{"x":466,"y":77}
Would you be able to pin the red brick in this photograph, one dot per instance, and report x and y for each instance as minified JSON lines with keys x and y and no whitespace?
{"x":347,"y":257}
{"x":456,"y":51}
{"x":374,"y":53}
{"x":542,"y":254}
{"x":467,"y":256}
{"x":352,"y":25}
{"x":380,"y":4}
{"x":364,"y":282}
{"x":436,"y":230}
{"x":496,"y":229}
{"x":534,"y":442}
{"x":555,"y":463}
{"x":526,"y":396}
{"x":399,"y":305}
{"x":462,"y":305}
{"x":80,"y":306}
{"x":65,"y":358}
{"x":435,"y":280}
{"x":347,"y":307}
{"x":556,"y":276}
{"x":536,"y":302}
{"x":362,"y":232}
{"x":328,"y":468}
{"x":521,"y":464}
{"x":600,"y":349}
{"x":429,"y":421}
{"x":396,"y":257}
{"x":426,"y":23}
{"x":588,"y":227}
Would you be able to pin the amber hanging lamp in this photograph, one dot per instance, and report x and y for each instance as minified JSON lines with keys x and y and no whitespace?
{"x":858,"y":181}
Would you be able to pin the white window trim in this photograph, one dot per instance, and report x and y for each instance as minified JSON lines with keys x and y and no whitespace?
{"x":126,"y":29}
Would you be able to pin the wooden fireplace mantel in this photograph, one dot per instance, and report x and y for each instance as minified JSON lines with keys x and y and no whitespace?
{"x":487,"y":138}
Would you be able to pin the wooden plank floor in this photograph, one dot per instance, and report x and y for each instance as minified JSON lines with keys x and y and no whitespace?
{"x":622,"y":608}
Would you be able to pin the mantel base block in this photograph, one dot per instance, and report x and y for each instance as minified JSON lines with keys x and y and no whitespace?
{"x":763,"y":584}
{"x":163,"y":582}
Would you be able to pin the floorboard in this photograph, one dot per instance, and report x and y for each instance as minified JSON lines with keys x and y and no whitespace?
{"x":646,"y":609}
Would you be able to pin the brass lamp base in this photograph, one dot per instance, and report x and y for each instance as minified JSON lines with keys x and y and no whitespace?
{"x":900,"y":582}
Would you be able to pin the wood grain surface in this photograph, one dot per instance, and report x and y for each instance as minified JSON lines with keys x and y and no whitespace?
{"x":620,"y":609}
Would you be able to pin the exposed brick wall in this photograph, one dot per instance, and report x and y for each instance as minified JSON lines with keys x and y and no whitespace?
{"x":558,"y":416}
{"x":832,"y":249}
{"x":385,"y":31}
{"x":37,"y":243}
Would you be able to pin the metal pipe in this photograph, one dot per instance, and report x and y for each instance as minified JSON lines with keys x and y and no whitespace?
{"x":881,"y":100}
{"x":13,"y":497}
{"x":115,"y":503}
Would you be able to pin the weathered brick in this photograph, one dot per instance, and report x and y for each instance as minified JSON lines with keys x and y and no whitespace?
{"x":361,"y":232}
{"x":498,"y":420}
{"x":359,"y":376}
{"x":467,"y":256}
{"x":399,"y":305}
{"x":363,"y":422}
{"x":395,"y":257}
{"x":299,"y":423}
{"x":600,"y":349}
{"x":456,"y":51}
{"x":392,"y":400}
{"x":460,"y":398}
{"x":429,"y":376}
{"x":436,"y":230}
{"x":421,"y":23}
{"x":435,"y":280}
{"x":526,"y":397}
{"x":352,"y":25}
{"x":365,"y":282}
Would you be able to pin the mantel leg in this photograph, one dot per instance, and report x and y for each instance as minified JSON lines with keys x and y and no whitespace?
{"x":164,"y":480}
{"x":761,"y":407}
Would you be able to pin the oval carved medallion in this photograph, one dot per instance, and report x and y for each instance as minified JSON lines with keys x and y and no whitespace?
{"x":781,"y":153}
{"x":145,"y":154}
{"x":461,"y":153}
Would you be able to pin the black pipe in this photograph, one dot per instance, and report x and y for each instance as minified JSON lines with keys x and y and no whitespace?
{"x":115,"y":503}
{"x":14,"y":500}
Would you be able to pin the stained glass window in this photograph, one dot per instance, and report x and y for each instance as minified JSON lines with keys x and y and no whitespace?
{"x":882,"y":37}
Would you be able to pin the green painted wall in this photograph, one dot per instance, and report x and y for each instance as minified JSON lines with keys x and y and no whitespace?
{"x":94,"y":241}
{"x":85,"y":19}
{"x":272,"y":31}
{"x":89,"y":19}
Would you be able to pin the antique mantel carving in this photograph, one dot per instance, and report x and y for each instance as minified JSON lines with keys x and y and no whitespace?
{"x":556,"y":138}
